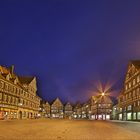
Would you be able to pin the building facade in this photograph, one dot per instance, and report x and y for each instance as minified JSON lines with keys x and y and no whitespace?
{"x":129,"y":98}
{"x":77,"y":111}
{"x":68,"y":110}
{"x":45,"y":110}
{"x":85,"y":111}
{"x":18,"y":98}
{"x":101,"y":107}
{"x":57,"y":109}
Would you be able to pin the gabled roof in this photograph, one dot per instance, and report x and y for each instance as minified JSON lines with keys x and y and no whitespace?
{"x":56,"y":100}
{"x":25,"y":79}
{"x":78,"y":105}
{"x":47,"y":103}
{"x":68,"y":103}
{"x":104,"y":99}
{"x":136,"y":63}
{"x":4,"y":70}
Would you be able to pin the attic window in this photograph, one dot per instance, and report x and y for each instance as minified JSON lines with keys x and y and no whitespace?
{"x":7,"y":77}
{"x":15,"y":81}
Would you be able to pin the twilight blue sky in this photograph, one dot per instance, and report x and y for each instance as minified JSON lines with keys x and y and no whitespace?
{"x":70,"y":45}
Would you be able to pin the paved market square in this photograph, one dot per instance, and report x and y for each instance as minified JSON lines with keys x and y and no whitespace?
{"x":51,"y":129}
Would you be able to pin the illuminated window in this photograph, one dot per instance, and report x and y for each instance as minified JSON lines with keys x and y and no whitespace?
{"x":134,"y":82}
{"x":134,"y":93}
{"x":130,"y":85}
{"x":138,"y":79}
{"x":120,"y":109}
{"x":126,"y":87}
{"x":1,"y":84}
{"x":126,"y":96}
{"x":138,"y":115}
{"x":134,"y":104}
{"x":129,"y":116}
{"x":137,"y":91}
{"x":129,"y":107}
{"x":120,"y":116}
{"x":108,"y":117}
{"x":138,"y":103}
{"x":134,"y":116}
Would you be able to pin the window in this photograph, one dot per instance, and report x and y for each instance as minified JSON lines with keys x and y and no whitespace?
{"x":137,"y":91}
{"x":0,"y":96}
{"x":134,"y":116}
{"x":130,"y":95}
{"x":123,"y":98}
{"x":138,"y":79}
{"x":120,"y":109}
{"x":134,"y":93}
{"x":5,"y":98}
{"x":9,"y":99}
{"x":134,"y":82}
{"x":129,"y":107}
{"x":130,"y":85}
{"x":134,"y":104}
{"x":125,"y":109}
{"x":138,"y":103}
{"x":129,"y":116}
{"x":126,"y":87}
{"x":6,"y":86}
{"x":126,"y":96}
{"x":120,"y":116}
{"x":138,"y":115}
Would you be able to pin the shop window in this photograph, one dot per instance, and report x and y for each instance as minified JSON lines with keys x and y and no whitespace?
{"x":138,"y":115}
{"x":129,"y":116}
{"x":120,"y":109}
{"x":134,"y":116}
{"x":120,"y":116}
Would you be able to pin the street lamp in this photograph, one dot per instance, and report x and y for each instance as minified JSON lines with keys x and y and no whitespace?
{"x":103,"y":93}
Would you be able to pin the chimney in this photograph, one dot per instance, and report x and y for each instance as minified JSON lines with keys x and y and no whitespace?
{"x":12,"y":69}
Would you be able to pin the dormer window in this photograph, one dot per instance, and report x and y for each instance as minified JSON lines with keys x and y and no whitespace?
{"x":8,"y":77}
{"x":15,"y":81}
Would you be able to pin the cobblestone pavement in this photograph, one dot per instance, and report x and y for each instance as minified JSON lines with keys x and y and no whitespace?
{"x":45,"y":129}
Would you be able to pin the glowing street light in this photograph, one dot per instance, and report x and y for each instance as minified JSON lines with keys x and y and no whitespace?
{"x":103,"y":93}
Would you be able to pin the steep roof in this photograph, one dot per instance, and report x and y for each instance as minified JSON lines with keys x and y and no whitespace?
{"x":136,"y":63}
{"x":68,"y":103}
{"x":56,"y":100}
{"x":25,"y":79}
{"x":4,"y":70}
{"x":104,"y":99}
